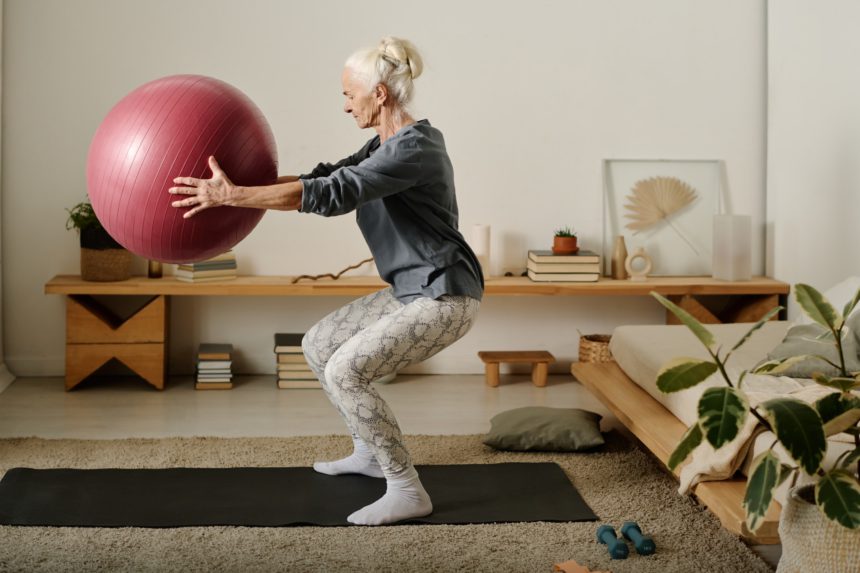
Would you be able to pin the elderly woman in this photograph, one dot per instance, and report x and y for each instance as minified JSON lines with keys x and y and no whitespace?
{"x":401,"y":185}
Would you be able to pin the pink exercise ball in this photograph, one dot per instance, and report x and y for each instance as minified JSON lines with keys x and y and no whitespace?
{"x":168,"y":128}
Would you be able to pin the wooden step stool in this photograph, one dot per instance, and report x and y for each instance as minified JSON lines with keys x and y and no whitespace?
{"x":539,"y":359}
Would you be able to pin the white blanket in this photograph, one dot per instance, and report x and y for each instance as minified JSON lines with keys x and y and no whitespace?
{"x":707,"y":464}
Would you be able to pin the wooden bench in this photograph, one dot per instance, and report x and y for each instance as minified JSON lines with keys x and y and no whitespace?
{"x":144,"y":347}
{"x":539,"y":359}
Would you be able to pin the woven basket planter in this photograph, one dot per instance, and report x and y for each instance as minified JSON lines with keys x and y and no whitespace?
{"x":594,"y":348}
{"x":811,"y":542}
{"x":105,"y":264}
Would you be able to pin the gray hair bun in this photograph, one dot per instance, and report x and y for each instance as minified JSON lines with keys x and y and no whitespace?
{"x":401,"y":53}
{"x":395,"y":62}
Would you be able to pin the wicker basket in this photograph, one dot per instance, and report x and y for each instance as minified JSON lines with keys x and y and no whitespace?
{"x":811,"y":542}
{"x":594,"y":348}
{"x":105,"y":264}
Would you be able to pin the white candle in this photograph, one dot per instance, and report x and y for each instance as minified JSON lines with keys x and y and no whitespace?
{"x":480,"y":240}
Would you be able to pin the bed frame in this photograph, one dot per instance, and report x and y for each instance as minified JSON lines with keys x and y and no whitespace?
{"x":660,"y":431}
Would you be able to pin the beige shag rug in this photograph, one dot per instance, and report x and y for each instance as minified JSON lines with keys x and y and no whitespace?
{"x":620,"y":482}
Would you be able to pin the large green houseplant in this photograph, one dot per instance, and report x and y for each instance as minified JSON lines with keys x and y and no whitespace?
{"x":801,"y":428}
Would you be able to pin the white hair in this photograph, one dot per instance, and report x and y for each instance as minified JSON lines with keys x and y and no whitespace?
{"x":394,"y":62}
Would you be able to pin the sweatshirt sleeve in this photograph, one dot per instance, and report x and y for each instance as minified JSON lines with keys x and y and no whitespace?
{"x":392,"y":169}
{"x":326,"y":169}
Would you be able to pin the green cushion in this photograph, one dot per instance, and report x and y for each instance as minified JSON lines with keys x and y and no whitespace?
{"x":545,"y":429}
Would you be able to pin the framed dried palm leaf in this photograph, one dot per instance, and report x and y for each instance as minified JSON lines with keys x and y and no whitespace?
{"x":666,"y":206}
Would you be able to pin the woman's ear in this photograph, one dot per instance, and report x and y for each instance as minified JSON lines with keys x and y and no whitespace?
{"x":380,"y":92}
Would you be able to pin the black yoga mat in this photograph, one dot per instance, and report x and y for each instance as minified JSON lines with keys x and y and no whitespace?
{"x":274,"y":497}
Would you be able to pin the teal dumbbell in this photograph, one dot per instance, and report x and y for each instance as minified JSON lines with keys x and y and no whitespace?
{"x":643,"y":543}
{"x":617,"y":548}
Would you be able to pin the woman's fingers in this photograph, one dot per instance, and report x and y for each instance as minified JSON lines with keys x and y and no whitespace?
{"x":216,"y":169}
{"x":193,"y":211}
{"x":183,"y":190}
{"x":186,"y":202}
{"x":201,"y":190}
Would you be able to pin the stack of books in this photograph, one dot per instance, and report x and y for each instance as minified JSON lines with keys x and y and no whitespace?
{"x":293,"y":369}
{"x":222,"y":267}
{"x":214,"y":367}
{"x":584,"y":266}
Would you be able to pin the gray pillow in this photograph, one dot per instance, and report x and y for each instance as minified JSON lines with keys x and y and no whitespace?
{"x":806,"y":339}
{"x":545,"y":429}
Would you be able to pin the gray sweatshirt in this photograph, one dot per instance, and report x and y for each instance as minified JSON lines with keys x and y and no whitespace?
{"x":403,"y":195}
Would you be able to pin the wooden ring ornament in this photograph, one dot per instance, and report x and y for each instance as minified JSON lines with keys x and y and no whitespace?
{"x":642,"y":274}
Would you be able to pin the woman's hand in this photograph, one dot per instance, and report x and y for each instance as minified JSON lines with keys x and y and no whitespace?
{"x":204,"y":193}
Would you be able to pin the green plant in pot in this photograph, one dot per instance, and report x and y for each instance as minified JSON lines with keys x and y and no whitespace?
{"x":564,"y":242}
{"x":102,"y":258}
{"x":831,"y":522}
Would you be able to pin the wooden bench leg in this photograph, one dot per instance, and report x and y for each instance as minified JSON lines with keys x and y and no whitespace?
{"x":539,"y":373}
{"x":492,"y":374}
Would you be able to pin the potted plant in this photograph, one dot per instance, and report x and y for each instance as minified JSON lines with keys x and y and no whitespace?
{"x":564,"y":242}
{"x":820,"y":525}
{"x":102,"y":258}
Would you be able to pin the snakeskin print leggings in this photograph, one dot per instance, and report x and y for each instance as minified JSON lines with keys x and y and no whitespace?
{"x":374,"y":336}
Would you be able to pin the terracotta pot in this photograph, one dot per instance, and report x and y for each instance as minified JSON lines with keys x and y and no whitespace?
{"x":811,"y":542}
{"x":564,"y":245}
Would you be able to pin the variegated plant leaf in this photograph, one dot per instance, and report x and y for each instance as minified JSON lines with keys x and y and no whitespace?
{"x":780,"y":365}
{"x":838,"y":382}
{"x":851,"y":459}
{"x":702,"y":333}
{"x":682,"y":373}
{"x":837,"y":493}
{"x":763,"y":478}
{"x":755,"y":327}
{"x":722,"y":413}
{"x":835,"y":404}
{"x":798,"y":428}
{"x":816,"y":306}
{"x":842,"y":422}
{"x":849,"y":306}
{"x":692,"y":438}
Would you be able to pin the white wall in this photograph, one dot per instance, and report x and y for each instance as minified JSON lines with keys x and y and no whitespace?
{"x":531,"y":97}
{"x":813,"y":176}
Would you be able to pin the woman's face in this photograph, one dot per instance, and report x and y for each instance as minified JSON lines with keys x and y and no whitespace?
{"x":362,"y":104}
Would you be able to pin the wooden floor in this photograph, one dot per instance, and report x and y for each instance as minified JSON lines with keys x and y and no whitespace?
{"x":128,"y":407}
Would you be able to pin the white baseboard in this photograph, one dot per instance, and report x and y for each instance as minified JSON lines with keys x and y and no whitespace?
{"x":36,"y":367}
{"x":6,"y":377}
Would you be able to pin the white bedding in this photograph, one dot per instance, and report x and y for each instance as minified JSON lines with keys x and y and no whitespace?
{"x":641,"y":351}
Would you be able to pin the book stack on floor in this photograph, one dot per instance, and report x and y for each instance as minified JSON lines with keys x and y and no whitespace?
{"x":214,"y":363}
{"x":293,"y":369}
{"x":220,"y":268}
{"x":582,"y":267}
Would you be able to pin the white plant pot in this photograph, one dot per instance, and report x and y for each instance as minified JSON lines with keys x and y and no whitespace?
{"x":811,"y":542}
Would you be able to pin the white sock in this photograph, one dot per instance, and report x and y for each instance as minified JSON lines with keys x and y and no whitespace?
{"x":404,"y":498}
{"x":362,"y":461}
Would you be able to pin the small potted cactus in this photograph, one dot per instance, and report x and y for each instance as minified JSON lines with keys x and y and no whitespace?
{"x":564,"y":242}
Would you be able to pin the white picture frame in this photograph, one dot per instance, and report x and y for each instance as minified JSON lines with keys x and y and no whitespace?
{"x":682,"y":243}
